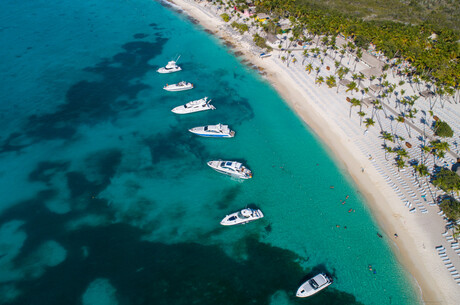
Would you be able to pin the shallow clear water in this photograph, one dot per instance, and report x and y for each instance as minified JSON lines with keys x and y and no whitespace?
{"x":107,"y":199}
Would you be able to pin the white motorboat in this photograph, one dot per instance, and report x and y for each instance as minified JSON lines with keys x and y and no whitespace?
{"x":194,"y":106}
{"x":215,"y":131}
{"x":179,"y":86}
{"x":232,"y":168}
{"x":314,"y":285}
{"x":170,"y":67}
{"x":243,"y":216}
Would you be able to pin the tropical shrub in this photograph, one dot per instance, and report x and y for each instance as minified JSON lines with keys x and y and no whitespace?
{"x":241,"y":27}
{"x":261,"y":42}
{"x":447,"y":180}
{"x":443,"y":130}
{"x":451,"y":208}
{"x":225,"y":17}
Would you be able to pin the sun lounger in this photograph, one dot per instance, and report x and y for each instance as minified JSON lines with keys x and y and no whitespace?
{"x":439,"y":247}
{"x":412,"y":210}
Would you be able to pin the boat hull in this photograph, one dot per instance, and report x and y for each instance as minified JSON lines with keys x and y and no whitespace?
{"x":182,"y":110}
{"x":234,"y":219}
{"x":177,"y":89}
{"x":213,"y":131}
{"x":215,"y":166}
{"x":207,"y":135}
{"x":306,"y":289}
{"x":166,"y":71}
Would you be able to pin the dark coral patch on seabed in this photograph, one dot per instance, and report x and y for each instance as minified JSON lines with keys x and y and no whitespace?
{"x":90,"y":102}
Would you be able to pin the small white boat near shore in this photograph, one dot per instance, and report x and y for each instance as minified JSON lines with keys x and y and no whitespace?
{"x":179,"y":86}
{"x":170,"y":67}
{"x":213,"y":131}
{"x":243,"y":216}
{"x":314,"y":285}
{"x":263,"y":55}
{"x":231,"y":168}
{"x":194,"y":106}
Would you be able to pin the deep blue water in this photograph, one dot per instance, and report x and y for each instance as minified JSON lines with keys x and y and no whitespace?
{"x":107,"y":199}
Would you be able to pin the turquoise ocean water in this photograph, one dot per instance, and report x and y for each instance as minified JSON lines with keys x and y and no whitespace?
{"x":107,"y":199}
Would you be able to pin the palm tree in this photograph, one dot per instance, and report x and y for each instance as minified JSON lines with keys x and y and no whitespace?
{"x":388,"y":150}
{"x":342,"y":52}
{"x":309,"y":68}
{"x":359,"y":54}
{"x":400,"y":163}
{"x":387,"y":137}
{"x":305,"y":55}
{"x":354,"y":103}
{"x":283,"y":58}
{"x":361,"y":115}
{"x":330,"y":81}
{"x":317,"y":69}
{"x":399,"y":119}
{"x":369,"y":122}
{"x":352,"y":86}
{"x":319,"y":80}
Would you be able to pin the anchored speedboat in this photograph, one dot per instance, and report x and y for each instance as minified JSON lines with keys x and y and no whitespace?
{"x":215,"y":131}
{"x":314,"y":285}
{"x":179,"y":86}
{"x":170,"y":67}
{"x":194,"y":106}
{"x":231,"y":168}
{"x":243,"y":216}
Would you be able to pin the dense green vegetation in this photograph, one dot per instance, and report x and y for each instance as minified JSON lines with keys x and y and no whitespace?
{"x":261,"y":42}
{"x":443,"y":130}
{"x":444,"y":13}
{"x":451,"y":208}
{"x":241,"y":27}
{"x":225,"y":17}
{"x":447,"y":180}
{"x":436,"y":60}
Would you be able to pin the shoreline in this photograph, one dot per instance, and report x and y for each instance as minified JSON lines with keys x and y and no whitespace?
{"x":411,"y":246}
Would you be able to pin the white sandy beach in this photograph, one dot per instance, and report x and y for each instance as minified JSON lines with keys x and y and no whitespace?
{"x":326,"y":112}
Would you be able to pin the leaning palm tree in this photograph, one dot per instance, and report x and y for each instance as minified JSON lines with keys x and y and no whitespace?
{"x":388,"y":150}
{"x":305,"y":55}
{"x":309,"y":68}
{"x":361,"y":115}
{"x":354,"y":103}
{"x":399,"y":119}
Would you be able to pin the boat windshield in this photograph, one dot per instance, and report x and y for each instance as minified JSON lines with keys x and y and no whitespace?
{"x":205,"y":128}
{"x":222,"y":164}
{"x":229,"y":163}
{"x":314,"y":284}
